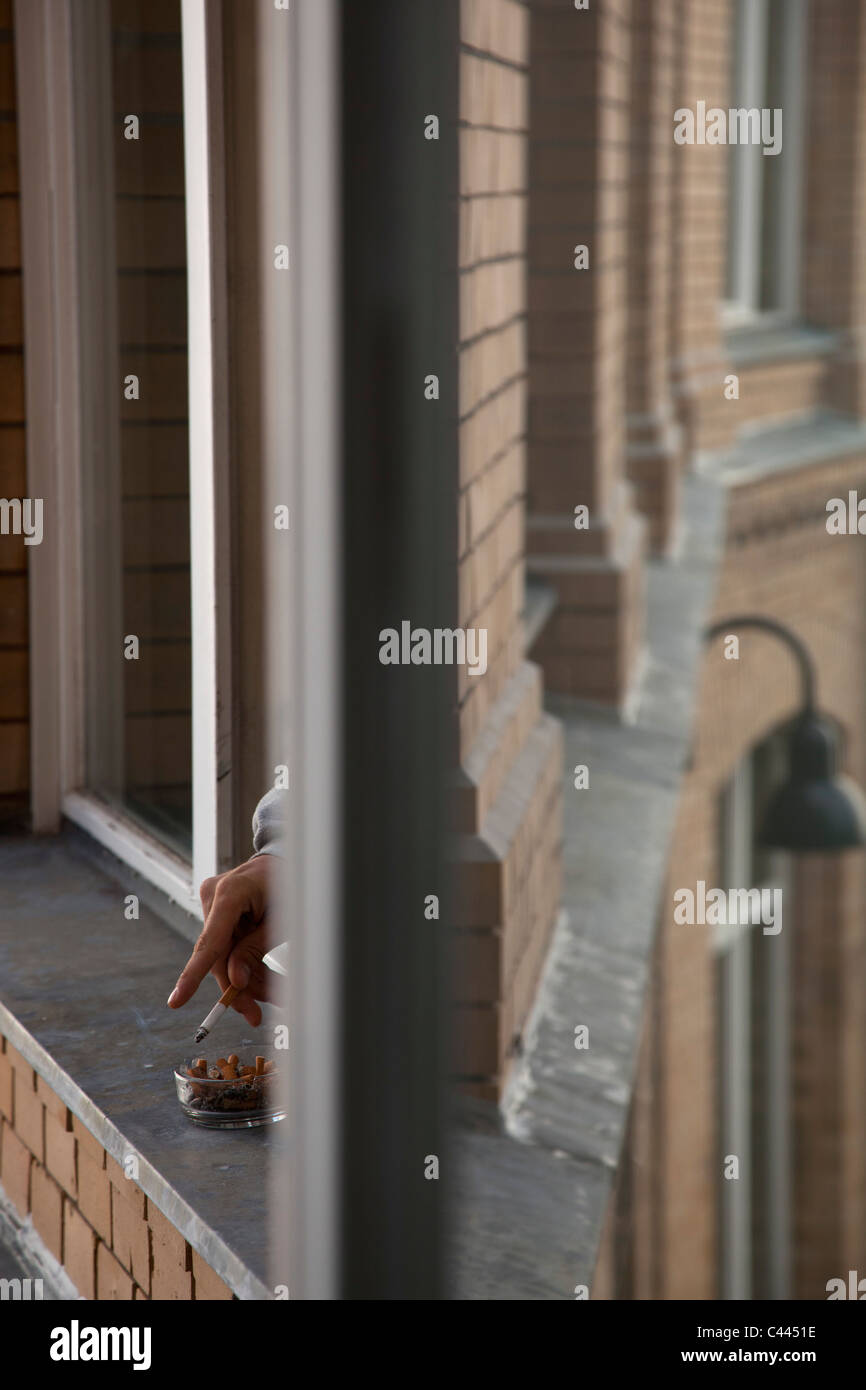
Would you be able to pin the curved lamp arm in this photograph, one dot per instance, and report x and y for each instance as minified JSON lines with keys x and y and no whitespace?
{"x":804,"y":660}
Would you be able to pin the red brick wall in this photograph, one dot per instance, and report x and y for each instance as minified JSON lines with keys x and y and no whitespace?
{"x":704,"y":30}
{"x":779,"y":561}
{"x":653,"y":444}
{"x":509,"y":797}
{"x":111,"y":1239}
{"x":493,"y":120}
{"x":579,"y":126}
{"x":834,"y":274}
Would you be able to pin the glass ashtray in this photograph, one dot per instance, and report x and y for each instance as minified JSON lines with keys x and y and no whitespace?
{"x":239,"y":1103}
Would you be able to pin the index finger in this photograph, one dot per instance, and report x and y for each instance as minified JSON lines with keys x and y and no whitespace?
{"x":214,"y":944}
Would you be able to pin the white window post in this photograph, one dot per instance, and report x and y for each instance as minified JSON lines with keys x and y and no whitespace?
{"x":210,"y":554}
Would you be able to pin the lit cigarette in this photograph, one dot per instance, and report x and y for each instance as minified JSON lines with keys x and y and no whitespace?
{"x":216,"y":1013}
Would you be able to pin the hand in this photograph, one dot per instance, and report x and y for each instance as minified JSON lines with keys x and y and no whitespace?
{"x":234,"y":939}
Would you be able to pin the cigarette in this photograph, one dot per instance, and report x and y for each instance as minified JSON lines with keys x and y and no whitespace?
{"x":216,"y":1013}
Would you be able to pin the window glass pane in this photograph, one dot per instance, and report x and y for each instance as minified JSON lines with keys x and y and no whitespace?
{"x":132,"y":260}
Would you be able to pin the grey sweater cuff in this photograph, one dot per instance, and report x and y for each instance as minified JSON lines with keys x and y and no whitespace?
{"x":269,"y":823}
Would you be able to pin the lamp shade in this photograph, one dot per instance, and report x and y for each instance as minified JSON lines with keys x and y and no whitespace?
{"x":814,"y":809}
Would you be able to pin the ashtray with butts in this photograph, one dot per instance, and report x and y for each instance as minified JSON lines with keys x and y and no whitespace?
{"x":228,"y":1094}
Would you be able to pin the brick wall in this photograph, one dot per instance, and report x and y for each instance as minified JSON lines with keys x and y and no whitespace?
{"x":112,"y":1240}
{"x":779,"y":561}
{"x":493,"y":116}
{"x":508,"y":798}
{"x":704,"y":30}
{"x":833,"y":286}
{"x":654,"y":444}
{"x":14,"y":689}
{"x":829,"y":1084}
{"x":662,"y":1236}
{"x":578,"y":197}
{"x":834,"y":276}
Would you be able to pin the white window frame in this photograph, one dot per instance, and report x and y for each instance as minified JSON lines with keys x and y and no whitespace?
{"x":48,"y":109}
{"x":748,"y":89}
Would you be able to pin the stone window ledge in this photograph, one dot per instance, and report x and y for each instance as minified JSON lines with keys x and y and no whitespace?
{"x":822,"y":436}
{"x":82,"y":998}
{"x":758,"y":344}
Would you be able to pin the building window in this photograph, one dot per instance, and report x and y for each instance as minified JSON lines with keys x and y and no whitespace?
{"x":753,"y":970}
{"x":765,"y":190}
{"x":132,"y":664}
{"x":135,"y":446}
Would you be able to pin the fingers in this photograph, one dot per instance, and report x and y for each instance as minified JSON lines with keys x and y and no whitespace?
{"x":246,"y":972}
{"x":233,"y":904}
{"x":214,"y":943}
{"x":246,"y":1005}
{"x":245,"y":959}
{"x":206,"y":893}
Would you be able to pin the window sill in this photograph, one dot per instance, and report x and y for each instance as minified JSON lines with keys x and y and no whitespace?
{"x":820,"y":437}
{"x":91,"y":1019}
{"x":764,"y":341}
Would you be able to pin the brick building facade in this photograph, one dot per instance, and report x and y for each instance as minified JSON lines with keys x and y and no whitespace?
{"x":509,"y":796}
{"x":607,"y":348}
{"x":789,"y":442}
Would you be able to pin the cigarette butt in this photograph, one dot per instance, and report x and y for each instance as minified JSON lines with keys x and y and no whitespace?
{"x":233,"y":1059}
{"x":260,"y":1066}
{"x":201,"y":1062}
{"x":248,"y":1071}
{"x":269,"y":1067}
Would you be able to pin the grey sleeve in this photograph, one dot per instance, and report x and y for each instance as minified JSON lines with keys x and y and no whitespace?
{"x":269,"y":823}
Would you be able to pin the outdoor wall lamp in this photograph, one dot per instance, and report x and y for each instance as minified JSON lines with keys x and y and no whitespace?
{"x":814,"y":809}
